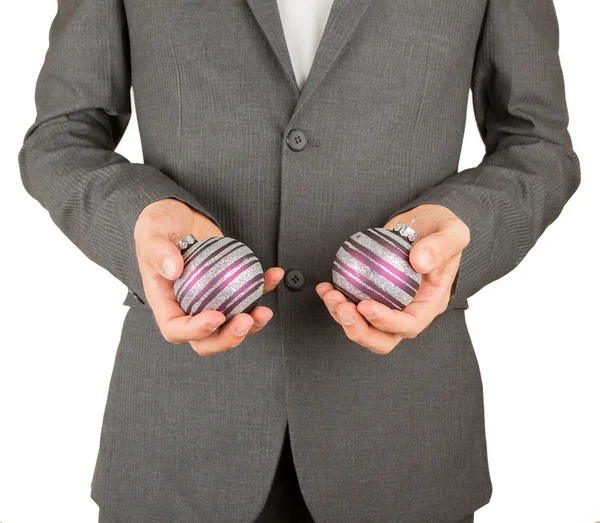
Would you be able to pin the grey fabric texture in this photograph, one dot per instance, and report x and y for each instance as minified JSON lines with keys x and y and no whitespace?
{"x":374,"y":438}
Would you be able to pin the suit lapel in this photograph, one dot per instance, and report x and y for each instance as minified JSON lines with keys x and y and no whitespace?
{"x":343,"y":19}
{"x":269,"y":20}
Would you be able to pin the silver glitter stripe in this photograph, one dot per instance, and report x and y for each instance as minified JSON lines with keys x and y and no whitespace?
{"x":197,"y":246}
{"x":255,"y":296}
{"x":381,"y":282}
{"x":201,"y":286}
{"x":234,"y":285}
{"x":385,"y":238}
{"x":344,"y":284}
{"x":349,"y":248}
{"x":185,"y":279}
{"x":201,"y":258}
{"x":392,"y":258}
{"x":381,"y":297}
{"x":203,"y":292}
{"x":395,"y":237}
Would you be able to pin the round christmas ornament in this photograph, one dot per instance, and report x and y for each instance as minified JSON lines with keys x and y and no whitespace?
{"x":219,"y":273}
{"x":374,"y":265}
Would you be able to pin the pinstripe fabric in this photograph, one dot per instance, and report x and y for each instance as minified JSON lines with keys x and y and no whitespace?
{"x":395,"y":438}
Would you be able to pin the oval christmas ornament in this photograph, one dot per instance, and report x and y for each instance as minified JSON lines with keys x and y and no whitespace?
{"x":219,"y":274}
{"x":374,"y":265}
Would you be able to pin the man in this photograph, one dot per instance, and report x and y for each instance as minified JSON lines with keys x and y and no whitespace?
{"x":380,"y":410}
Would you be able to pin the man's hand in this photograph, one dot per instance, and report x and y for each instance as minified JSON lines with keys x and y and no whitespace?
{"x":161,"y":262}
{"x":436,"y":255}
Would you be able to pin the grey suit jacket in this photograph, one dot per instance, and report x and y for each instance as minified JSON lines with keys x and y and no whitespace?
{"x":375,"y":438}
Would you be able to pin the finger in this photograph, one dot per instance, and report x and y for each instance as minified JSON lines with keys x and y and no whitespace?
{"x":332,"y":300}
{"x":430,"y":301}
{"x":416,"y":317}
{"x":262,"y":316}
{"x":360,"y":331}
{"x":394,"y":321}
{"x":272,"y":278}
{"x":357,"y":330}
{"x":380,"y":316}
{"x":433,"y":251}
{"x":324,"y":287}
{"x":188,"y":328}
{"x":226,"y":337}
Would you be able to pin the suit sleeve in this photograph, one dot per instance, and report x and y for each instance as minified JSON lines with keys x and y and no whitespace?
{"x":67,"y":161}
{"x":529,"y":170}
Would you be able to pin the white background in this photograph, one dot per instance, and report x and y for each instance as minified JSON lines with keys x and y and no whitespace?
{"x":535,"y":331}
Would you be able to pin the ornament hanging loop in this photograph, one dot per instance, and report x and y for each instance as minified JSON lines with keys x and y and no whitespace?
{"x":406,"y":231}
{"x":185,"y":241}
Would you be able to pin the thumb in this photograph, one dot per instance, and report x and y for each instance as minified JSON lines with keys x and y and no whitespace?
{"x":435,"y":250}
{"x":162,"y":256}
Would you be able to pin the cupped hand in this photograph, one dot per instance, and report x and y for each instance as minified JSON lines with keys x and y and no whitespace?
{"x":436,"y":255}
{"x":161,"y":263}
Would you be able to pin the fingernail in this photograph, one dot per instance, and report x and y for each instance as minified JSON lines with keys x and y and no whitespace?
{"x":331,"y":305}
{"x":213,"y":326}
{"x":368,"y":313}
{"x":168,"y":268}
{"x":243,"y":329}
{"x":261,"y":323}
{"x":346,"y":317}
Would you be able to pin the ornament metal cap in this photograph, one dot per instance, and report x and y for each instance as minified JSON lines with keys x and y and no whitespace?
{"x":185,"y":242}
{"x":406,"y":231}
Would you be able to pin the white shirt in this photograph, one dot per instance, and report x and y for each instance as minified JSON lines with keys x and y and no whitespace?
{"x":303,"y":24}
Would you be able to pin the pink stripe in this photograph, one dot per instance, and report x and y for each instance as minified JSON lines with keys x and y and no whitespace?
{"x":257,"y":280}
{"x":226,"y":281}
{"x":226,"y":303}
{"x":397,"y":249}
{"x":369,"y":288}
{"x":346,"y":292}
{"x":195,"y":276}
{"x":393,"y":270}
{"x":201,"y":248}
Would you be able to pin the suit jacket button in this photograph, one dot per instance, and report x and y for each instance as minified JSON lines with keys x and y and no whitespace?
{"x":296,"y":140}
{"x":293,"y":279}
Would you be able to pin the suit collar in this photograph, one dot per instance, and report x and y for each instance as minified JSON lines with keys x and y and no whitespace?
{"x":343,"y":19}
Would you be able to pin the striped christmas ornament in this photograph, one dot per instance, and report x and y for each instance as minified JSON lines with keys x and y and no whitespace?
{"x":374,"y":265}
{"x":220,"y":274}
